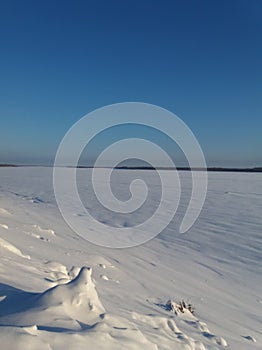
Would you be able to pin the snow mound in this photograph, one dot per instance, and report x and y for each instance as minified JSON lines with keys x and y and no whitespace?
{"x":69,"y":306}
{"x":78,"y":293}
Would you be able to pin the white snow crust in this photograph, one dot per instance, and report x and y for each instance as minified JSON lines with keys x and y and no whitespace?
{"x":58,"y":291}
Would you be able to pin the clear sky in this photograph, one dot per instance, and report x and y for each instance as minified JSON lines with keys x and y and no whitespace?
{"x":201,"y":59}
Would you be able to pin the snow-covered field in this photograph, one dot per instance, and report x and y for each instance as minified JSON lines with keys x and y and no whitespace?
{"x":58,"y":291}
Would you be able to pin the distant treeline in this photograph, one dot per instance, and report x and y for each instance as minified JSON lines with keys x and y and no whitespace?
{"x":238,"y":170}
{"x":7,"y":165}
{"x":218,"y":169}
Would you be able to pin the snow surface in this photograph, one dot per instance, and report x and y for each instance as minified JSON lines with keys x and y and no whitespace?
{"x":58,"y":291}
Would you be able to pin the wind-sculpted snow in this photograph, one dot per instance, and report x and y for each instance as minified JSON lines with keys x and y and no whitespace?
{"x":6,"y":245}
{"x":71,"y":294}
{"x":75,"y":308}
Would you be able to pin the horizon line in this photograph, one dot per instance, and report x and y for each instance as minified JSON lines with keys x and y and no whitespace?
{"x":181,"y":168}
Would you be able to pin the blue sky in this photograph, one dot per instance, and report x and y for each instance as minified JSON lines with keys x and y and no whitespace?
{"x":199,"y":59}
